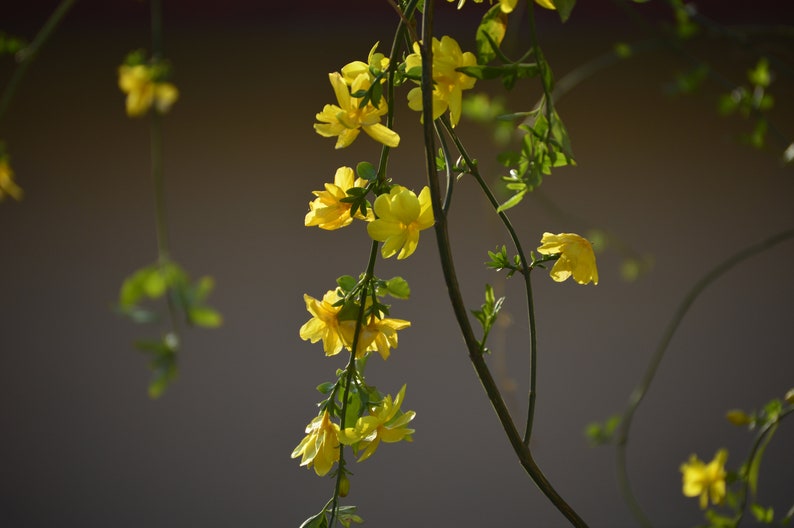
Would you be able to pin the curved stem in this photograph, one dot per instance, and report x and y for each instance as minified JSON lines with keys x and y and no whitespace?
{"x":525,"y":271}
{"x":445,"y":252}
{"x":26,"y":56}
{"x":650,"y":372}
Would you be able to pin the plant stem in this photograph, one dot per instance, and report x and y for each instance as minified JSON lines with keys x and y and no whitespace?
{"x":350,"y":371}
{"x":639,"y":393}
{"x":456,"y":299}
{"x":525,"y":271}
{"x":26,"y":56}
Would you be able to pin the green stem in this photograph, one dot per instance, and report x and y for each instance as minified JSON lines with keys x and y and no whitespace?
{"x":350,"y":371}
{"x":642,"y":389}
{"x":525,"y":271}
{"x":456,"y":299}
{"x":26,"y":56}
{"x":761,"y":439}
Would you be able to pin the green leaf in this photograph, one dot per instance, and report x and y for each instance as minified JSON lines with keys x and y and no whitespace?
{"x":493,"y":25}
{"x":755,"y":464}
{"x":326,"y":388}
{"x":564,"y":8}
{"x":204,"y":316}
{"x":761,"y":514}
{"x":512,"y":201}
{"x":366,"y":171}
{"x":398,"y":288}
{"x":318,"y":521}
{"x":347,"y":283}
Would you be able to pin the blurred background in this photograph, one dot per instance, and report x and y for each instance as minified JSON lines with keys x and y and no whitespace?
{"x":81,"y":444}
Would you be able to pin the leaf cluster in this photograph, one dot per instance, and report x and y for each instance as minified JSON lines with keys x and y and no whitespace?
{"x":487,"y":314}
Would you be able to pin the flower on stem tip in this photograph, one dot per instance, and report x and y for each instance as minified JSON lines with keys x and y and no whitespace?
{"x":401,"y":215}
{"x":385,"y":423}
{"x":7,"y":184}
{"x":706,"y":481}
{"x":328,"y":211}
{"x":143,"y":88}
{"x":320,"y":446}
{"x":448,"y":83}
{"x":576,"y":257}
{"x":348,"y":118}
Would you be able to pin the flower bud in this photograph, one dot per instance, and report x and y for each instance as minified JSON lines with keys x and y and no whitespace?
{"x":738,"y":417}
{"x":344,"y":486}
{"x":789,"y":397}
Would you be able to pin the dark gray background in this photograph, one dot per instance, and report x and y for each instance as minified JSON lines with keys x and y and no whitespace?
{"x":82,"y":445}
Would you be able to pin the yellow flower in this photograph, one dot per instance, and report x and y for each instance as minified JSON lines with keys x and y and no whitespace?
{"x":7,"y":184}
{"x":548,"y":4}
{"x":448,"y":83}
{"x":320,"y":446}
{"x":401,"y":216}
{"x":375,"y":61}
{"x":705,"y":480}
{"x":324,"y":324}
{"x":347,"y":119}
{"x":576,"y":257}
{"x":508,"y":6}
{"x":385,"y":423}
{"x":143,"y":91}
{"x":378,"y":335}
{"x":328,"y":211}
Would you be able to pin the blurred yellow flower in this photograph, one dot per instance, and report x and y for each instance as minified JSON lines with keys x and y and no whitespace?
{"x":348,"y":118}
{"x":705,"y":480}
{"x":324,"y":324}
{"x":378,"y":335}
{"x":508,"y":6}
{"x":385,"y":423}
{"x":7,"y":184}
{"x":320,"y":446}
{"x":401,"y":216}
{"x":576,"y":257}
{"x":448,"y":83}
{"x":143,"y":91}
{"x":328,"y":211}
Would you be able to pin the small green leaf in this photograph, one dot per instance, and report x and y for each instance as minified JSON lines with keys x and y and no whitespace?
{"x":347,"y":283}
{"x":564,"y":8}
{"x":512,"y":201}
{"x":318,"y":521}
{"x":398,"y":288}
{"x":366,"y":171}
{"x":205,"y":316}
{"x":326,"y":388}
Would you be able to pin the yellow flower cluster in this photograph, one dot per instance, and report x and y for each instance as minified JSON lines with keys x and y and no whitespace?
{"x":377,"y":335}
{"x":385,"y":423}
{"x":706,"y":481}
{"x":144,"y":90}
{"x":8,"y":186}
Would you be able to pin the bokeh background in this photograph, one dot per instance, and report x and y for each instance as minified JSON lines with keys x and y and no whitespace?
{"x":81,"y":444}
